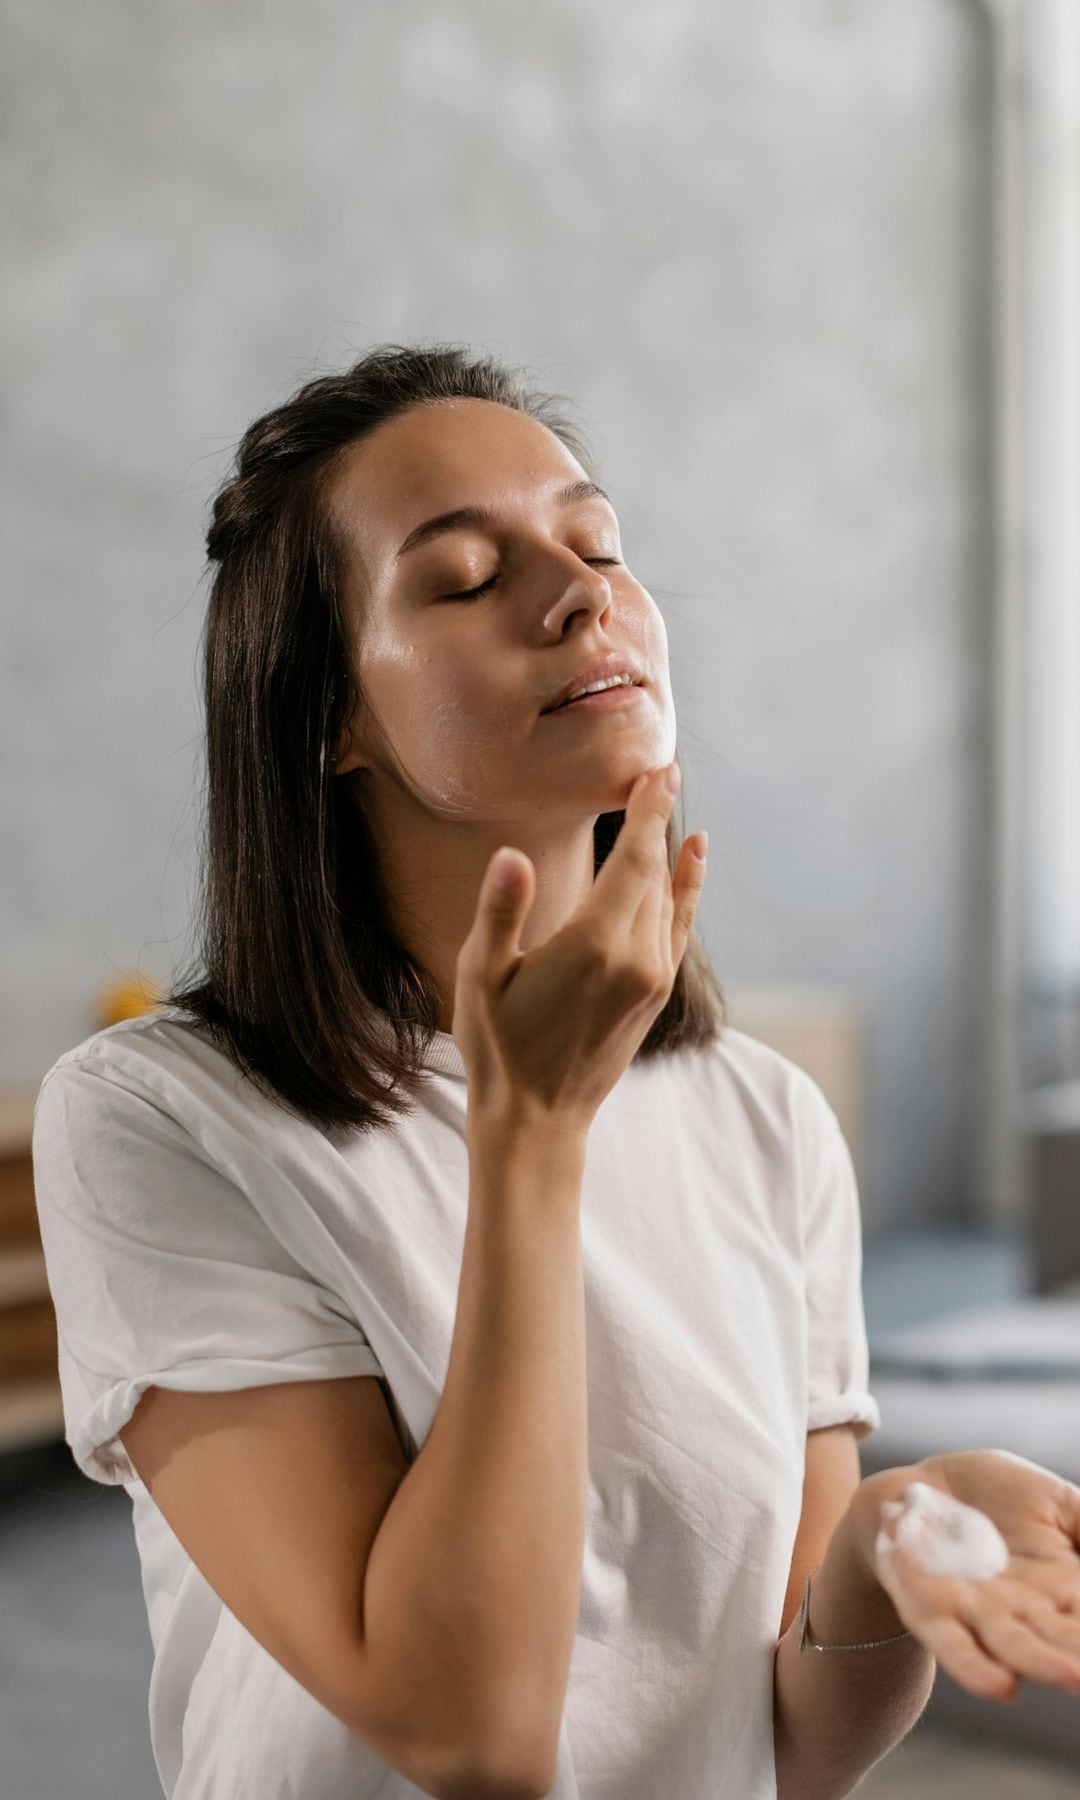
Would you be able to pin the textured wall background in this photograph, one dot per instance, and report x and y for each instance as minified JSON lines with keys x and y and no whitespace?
{"x":752,"y":242}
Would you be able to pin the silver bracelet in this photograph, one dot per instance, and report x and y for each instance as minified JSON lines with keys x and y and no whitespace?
{"x":804,"y":1617}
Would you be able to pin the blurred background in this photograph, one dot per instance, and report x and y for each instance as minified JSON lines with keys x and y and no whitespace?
{"x":810,"y":271}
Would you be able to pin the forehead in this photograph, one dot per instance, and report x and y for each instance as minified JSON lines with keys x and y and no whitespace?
{"x":437,"y":457}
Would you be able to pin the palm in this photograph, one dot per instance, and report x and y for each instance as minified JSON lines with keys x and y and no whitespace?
{"x":1022,"y":1622}
{"x":1037,"y":1514}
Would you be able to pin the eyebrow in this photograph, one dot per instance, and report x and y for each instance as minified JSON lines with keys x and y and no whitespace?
{"x":483,"y":517}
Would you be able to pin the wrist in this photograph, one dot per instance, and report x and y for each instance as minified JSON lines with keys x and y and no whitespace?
{"x":510,"y":1121}
{"x":864,"y":1512}
{"x":847,"y":1600}
{"x":508,"y":1140}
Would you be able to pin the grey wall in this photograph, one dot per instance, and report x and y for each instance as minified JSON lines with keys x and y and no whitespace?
{"x":752,"y":242}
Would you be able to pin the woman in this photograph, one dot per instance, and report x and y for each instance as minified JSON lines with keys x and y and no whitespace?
{"x":471,"y":1314}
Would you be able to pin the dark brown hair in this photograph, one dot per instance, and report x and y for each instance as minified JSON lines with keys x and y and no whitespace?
{"x":296,"y":954}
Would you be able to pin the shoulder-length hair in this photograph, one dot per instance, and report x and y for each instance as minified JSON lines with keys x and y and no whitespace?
{"x":302,"y":980}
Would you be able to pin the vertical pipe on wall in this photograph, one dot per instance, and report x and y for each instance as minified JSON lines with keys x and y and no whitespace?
{"x":1034,"y":966}
{"x":1051,"y":264}
{"x":999,"y":1176}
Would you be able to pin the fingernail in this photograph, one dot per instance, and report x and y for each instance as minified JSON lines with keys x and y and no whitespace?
{"x":701,"y":845}
{"x":504,"y":871}
{"x":673,"y":778}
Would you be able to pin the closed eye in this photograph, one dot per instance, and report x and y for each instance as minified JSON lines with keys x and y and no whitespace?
{"x":474,"y":593}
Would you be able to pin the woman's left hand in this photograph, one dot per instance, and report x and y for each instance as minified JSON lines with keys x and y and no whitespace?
{"x":1024,"y":1622}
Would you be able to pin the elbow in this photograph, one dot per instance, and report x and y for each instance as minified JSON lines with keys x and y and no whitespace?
{"x":490,"y":1785}
{"x":522,"y":1770}
{"x":514,"y":1758}
{"x":493,"y":1781}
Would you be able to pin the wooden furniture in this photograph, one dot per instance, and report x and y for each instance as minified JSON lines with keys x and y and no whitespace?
{"x":823,"y":1030}
{"x":30,"y":1408}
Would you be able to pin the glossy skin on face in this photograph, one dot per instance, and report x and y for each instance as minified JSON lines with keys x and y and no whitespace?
{"x":449,"y":755}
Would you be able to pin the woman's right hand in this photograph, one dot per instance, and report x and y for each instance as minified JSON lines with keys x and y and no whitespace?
{"x":547,"y":1032}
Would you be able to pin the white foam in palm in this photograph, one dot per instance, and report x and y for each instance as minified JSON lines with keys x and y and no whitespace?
{"x":943,"y":1535}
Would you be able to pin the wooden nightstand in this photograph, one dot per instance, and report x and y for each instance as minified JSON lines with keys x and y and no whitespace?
{"x":30,"y":1407}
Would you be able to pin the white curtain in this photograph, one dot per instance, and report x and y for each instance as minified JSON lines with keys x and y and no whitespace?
{"x":1051,"y":486}
{"x":1032,"y":1019}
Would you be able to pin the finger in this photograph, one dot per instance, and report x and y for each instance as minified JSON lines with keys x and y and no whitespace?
{"x":652,"y":920}
{"x":663,"y":921}
{"x":651,"y":928}
{"x":687,"y":892}
{"x":657,"y":925}
{"x":1018,"y":1647}
{"x":1056,"y":1583}
{"x":506,"y":895}
{"x":960,"y":1655}
{"x":637,"y":858}
{"x":1049,"y":1620}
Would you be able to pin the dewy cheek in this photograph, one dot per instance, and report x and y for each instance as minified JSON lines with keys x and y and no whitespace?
{"x":944,"y":1536}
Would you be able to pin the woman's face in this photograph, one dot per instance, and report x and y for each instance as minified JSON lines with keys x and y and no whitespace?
{"x":453,"y":688}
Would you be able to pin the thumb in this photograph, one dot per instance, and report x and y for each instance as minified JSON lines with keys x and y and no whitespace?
{"x":505,"y":897}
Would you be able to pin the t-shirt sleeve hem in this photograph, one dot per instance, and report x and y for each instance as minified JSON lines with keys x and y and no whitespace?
{"x":97,"y":1450}
{"x":856,"y":1408}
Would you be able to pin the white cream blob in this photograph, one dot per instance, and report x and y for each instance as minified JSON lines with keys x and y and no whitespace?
{"x":943,"y":1535}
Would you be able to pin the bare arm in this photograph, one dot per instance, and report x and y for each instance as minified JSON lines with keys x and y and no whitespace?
{"x":485,"y":1540}
{"x":838,"y":1713}
{"x":473,"y":1581}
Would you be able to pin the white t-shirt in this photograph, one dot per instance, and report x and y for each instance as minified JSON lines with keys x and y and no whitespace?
{"x":197,"y":1236}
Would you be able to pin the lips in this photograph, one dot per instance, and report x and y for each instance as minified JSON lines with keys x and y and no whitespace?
{"x":601,"y":668}
{"x":619,"y":688}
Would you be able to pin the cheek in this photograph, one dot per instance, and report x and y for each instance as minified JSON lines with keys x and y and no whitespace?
{"x":458,"y":701}
{"x":656,"y":638}
{"x":466,"y":730}
{"x":449,"y":728}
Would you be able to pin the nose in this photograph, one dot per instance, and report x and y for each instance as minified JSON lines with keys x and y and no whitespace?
{"x":581,"y":589}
